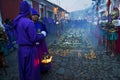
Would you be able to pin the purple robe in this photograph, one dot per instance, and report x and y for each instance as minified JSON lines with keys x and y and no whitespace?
{"x":27,"y":55}
{"x":42,"y":47}
{"x":26,"y":37}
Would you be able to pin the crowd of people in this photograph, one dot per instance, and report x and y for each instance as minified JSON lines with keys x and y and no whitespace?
{"x":110,"y":32}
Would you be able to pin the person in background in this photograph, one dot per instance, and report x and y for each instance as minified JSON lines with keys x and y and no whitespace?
{"x":118,"y":41}
{"x":7,"y":26}
{"x":113,"y":32}
{"x":117,"y":24}
{"x":26,"y":38}
{"x":3,"y":42}
{"x":41,"y":45}
{"x":112,"y":37}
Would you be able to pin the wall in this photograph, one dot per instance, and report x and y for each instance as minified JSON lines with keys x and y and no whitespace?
{"x":9,"y":8}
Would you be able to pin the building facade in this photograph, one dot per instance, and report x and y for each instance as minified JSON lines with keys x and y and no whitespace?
{"x":10,"y":8}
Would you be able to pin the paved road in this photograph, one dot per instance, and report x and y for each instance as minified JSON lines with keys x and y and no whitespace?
{"x":74,"y":58}
{"x":81,"y":59}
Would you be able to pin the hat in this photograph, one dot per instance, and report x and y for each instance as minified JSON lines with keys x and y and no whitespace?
{"x":34,"y":12}
{"x":25,"y":8}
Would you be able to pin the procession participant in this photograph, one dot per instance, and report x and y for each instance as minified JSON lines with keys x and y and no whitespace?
{"x":116,"y":21}
{"x":26,"y":37}
{"x":113,"y":34}
{"x":112,"y":37}
{"x":41,"y":45}
{"x":8,"y":30}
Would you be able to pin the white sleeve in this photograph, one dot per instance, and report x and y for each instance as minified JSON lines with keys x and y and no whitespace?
{"x":44,"y":33}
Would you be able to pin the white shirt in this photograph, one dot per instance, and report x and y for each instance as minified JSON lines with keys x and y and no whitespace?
{"x":116,"y":22}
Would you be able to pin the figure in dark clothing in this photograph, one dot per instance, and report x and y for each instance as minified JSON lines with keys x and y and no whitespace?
{"x":3,"y":43}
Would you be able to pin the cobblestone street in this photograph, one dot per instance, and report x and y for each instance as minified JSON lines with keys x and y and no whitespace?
{"x":60,"y":39}
{"x":81,"y":62}
{"x":74,"y":58}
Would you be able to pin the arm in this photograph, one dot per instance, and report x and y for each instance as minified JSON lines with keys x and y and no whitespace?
{"x":44,"y":28}
{"x":32,"y":33}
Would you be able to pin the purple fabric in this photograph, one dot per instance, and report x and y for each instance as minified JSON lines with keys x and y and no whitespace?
{"x":26,"y":37}
{"x":8,"y":32}
{"x":26,"y":33}
{"x":25,"y":8}
{"x":34,"y":12}
{"x":29,"y":68}
{"x":42,"y":47}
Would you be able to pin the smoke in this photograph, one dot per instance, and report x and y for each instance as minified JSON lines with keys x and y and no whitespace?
{"x":84,"y":23}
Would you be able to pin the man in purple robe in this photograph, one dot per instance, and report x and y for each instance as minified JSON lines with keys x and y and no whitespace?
{"x":26,"y":38}
{"x":41,"y":45}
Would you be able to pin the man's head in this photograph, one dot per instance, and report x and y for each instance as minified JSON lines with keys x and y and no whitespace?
{"x":35,"y":15}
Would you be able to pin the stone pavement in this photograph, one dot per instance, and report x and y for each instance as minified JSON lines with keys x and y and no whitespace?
{"x":74,"y":58}
{"x":12,"y":70}
{"x":84,"y":61}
